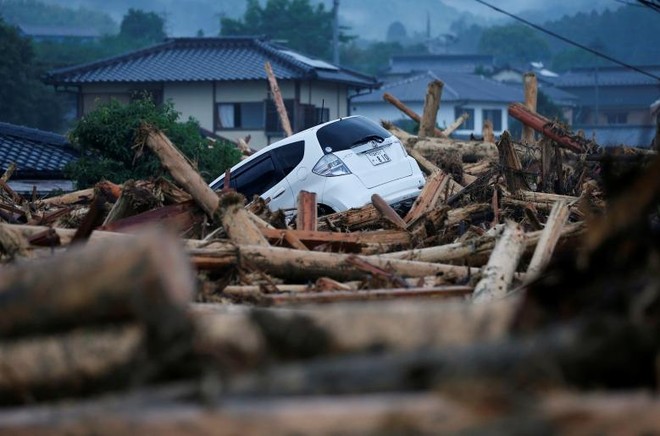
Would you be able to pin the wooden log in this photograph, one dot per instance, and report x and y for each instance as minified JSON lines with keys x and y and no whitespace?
{"x":429,"y":197}
{"x":367,"y":295}
{"x":552,"y":130}
{"x":181,"y":170}
{"x":236,"y":221}
{"x":530,"y":87}
{"x":307,"y":213}
{"x":146,"y":277}
{"x":135,"y":198}
{"x":350,"y":220}
{"x":387,"y":238}
{"x":498,"y":273}
{"x":487,"y":131}
{"x":431,"y":106}
{"x":544,"y":197}
{"x":83,"y":360}
{"x":93,"y":219}
{"x":8,"y":172}
{"x":546,"y":163}
{"x":510,"y":164}
{"x":387,"y":212}
{"x":294,"y":264}
{"x":466,"y":150}
{"x":456,"y":124}
{"x":406,"y":110}
{"x":178,"y":218}
{"x":548,"y":240}
{"x":456,"y":216}
{"x":277,"y":98}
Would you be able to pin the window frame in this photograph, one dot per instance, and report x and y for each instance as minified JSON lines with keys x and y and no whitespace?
{"x":238,"y":115}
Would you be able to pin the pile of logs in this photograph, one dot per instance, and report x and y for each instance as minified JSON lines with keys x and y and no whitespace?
{"x":519,"y":292}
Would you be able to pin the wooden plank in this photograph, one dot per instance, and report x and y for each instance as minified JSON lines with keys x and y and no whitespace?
{"x":306,"y":215}
{"x":429,"y":197}
{"x":549,"y":238}
{"x":530,"y":87}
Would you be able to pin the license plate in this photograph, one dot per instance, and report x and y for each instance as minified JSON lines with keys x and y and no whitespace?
{"x":378,"y":157}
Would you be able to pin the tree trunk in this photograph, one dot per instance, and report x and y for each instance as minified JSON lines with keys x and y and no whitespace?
{"x":431,"y":106}
{"x":406,"y":110}
{"x":531,"y":95}
{"x":277,"y":98}
{"x":548,"y":240}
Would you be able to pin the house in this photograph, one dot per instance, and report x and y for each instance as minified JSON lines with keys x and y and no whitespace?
{"x":480,"y":97}
{"x":613,"y":105}
{"x":64,"y":34}
{"x":39,"y":157}
{"x":222,"y":83}
{"x":403,"y":65}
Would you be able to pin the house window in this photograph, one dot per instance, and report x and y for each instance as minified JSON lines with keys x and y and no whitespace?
{"x":495,"y":116}
{"x":240,"y":116}
{"x":469,"y":123}
{"x":273,"y":123}
{"x":617,"y":118}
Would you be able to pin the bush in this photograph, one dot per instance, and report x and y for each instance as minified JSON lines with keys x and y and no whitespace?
{"x":107,"y":137}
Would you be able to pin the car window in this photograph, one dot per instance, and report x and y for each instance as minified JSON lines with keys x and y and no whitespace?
{"x":348,"y":132}
{"x":289,"y":156}
{"x":256,"y":178}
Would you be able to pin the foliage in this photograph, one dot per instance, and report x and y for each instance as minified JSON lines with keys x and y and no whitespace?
{"x":513,"y":44}
{"x":374,"y":58}
{"x":139,"y":25}
{"x":305,"y":28}
{"x":108,"y":135}
{"x":38,"y":13}
{"x":24,"y":100}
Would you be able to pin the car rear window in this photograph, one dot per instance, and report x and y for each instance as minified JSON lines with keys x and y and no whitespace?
{"x":348,"y":132}
{"x":290,"y":155}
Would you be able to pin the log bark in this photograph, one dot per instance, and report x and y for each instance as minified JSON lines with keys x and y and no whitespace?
{"x":306,"y":216}
{"x":181,"y":170}
{"x":552,"y":130}
{"x":431,"y":106}
{"x":387,"y":212}
{"x":277,"y":98}
{"x":236,"y":221}
{"x":350,"y":220}
{"x":489,"y":135}
{"x":146,"y":277}
{"x":510,"y":164}
{"x":429,"y":197}
{"x":530,"y":87}
{"x":466,"y":150}
{"x":38,"y":368}
{"x":293,"y":264}
{"x":135,"y":198}
{"x":498,"y":273}
{"x":367,"y":295}
{"x":386,"y":238}
{"x":406,"y":110}
{"x":548,"y":240}
{"x":456,"y":124}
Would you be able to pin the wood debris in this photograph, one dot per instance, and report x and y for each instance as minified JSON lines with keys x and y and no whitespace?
{"x":524,"y":276}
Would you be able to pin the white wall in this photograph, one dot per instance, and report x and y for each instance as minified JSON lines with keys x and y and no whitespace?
{"x":385,"y":111}
{"x":192,"y":100}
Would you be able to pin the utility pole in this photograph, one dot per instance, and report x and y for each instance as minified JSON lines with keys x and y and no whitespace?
{"x":335,"y":32}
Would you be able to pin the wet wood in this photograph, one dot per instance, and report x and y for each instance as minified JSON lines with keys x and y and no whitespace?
{"x":497,"y":275}
{"x":429,"y":197}
{"x":406,"y":110}
{"x":181,"y":170}
{"x":510,"y":164}
{"x":306,"y":215}
{"x":236,"y":221}
{"x":431,"y":107}
{"x":386,"y":238}
{"x":530,"y":88}
{"x":387,"y":212}
{"x":456,"y":124}
{"x":368,"y":295}
{"x":552,"y":130}
{"x":144,"y":277}
{"x":277,"y":98}
{"x":548,"y":240}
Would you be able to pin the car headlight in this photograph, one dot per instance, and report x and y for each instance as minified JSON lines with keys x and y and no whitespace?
{"x":330,"y":166}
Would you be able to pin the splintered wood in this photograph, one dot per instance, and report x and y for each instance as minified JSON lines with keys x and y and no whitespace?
{"x":499,"y":294}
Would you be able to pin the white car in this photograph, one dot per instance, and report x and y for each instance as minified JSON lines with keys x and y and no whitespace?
{"x":343,"y":161}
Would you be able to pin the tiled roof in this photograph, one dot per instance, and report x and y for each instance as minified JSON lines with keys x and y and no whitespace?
{"x":608,"y":76}
{"x":458,"y":87}
{"x":459,"y":63}
{"x":206,"y":59}
{"x":36,"y":153}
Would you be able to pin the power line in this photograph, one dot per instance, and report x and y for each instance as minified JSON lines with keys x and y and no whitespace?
{"x":566,"y":40}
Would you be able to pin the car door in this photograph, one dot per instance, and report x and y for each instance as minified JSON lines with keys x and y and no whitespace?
{"x":264,"y":178}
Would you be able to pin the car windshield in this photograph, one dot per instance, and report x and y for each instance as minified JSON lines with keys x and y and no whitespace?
{"x":348,"y":132}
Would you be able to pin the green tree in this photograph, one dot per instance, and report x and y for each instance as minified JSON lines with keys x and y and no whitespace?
{"x":513,"y":43}
{"x":303,"y":27}
{"x":107,"y":137}
{"x":23,"y":98}
{"x":138,"y":25}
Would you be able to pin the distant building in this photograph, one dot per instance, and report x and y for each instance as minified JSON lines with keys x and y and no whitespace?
{"x":43,"y":33}
{"x":405,"y":65}
{"x":222,"y":83}
{"x":613,"y":103}
{"x":480,"y":97}
{"x":39,"y":157}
